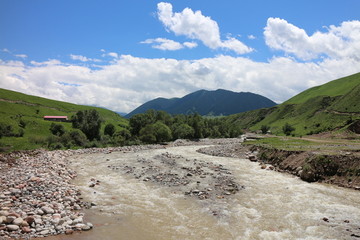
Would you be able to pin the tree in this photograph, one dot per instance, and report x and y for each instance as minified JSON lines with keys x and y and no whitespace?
{"x":89,"y":122}
{"x":57,"y":129}
{"x":109,"y":129}
{"x":288,"y":129}
{"x":157,"y":132}
{"x":264,"y":129}
{"x":183,"y":131}
{"x":137,"y":122}
{"x":147,"y":134}
{"x":162,"y":132}
{"x":197,"y":124}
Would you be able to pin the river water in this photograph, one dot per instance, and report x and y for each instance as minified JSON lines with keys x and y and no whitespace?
{"x":271,"y":205}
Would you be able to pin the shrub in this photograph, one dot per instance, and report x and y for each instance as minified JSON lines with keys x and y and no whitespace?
{"x":264,"y":129}
{"x":109,"y":129}
{"x":56,"y":146}
{"x":57,"y":129}
{"x":79,"y":138}
{"x":288,"y":129}
{"x":22,"y":123}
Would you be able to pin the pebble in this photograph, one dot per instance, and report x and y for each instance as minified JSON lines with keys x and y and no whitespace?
{"x":37,"y":189}
{"x":12,"y":227}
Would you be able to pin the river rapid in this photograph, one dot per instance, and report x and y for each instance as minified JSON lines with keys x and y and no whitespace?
{"x":267,"y":205}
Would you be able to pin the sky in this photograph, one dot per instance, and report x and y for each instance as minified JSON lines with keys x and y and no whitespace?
{"x":120,"y":54}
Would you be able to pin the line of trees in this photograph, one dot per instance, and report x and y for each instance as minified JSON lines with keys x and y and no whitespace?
{"x":150,"y":127}
{"x":159,"y":126}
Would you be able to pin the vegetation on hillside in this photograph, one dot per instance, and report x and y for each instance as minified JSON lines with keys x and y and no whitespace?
{"x":329,"y":107}
{"x":22,"y":126}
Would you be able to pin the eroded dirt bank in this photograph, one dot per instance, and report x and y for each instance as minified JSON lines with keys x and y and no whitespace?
{"x":342,"y":169}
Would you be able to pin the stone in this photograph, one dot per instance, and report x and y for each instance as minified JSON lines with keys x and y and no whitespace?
{"x":14,"y":214}
{"x":9,"y":219}
{"x":26,"y":229}
{"x":47,"y":210}
{"x":45,"y":232}
{"x":30,"y":219}
{"x":85,"y":228}
{"x":69,"y":231}
{"x":24,"y":224}
{"x":18,"y":221}
{"x":12,"y":227}
{"x":252,"y":158}
{"x":4,"y":213}
{"x":90,"y":225}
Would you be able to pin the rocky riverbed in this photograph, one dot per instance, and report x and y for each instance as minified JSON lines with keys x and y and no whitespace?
{"x":37,"y":198}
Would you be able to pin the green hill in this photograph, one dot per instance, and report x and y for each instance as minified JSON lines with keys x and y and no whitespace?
{"x":18,"y":108}
{"x":328,"y":107}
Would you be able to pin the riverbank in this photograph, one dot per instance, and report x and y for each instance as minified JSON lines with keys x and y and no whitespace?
{"x":37,"y":197}
{"x":328,"y":161}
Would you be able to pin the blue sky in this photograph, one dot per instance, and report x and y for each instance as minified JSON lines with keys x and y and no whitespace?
{"x":120,"y":54}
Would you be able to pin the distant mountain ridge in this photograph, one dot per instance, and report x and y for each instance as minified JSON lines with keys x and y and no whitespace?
{"x":216,"y":103}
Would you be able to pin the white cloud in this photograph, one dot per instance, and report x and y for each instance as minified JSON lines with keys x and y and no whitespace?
{"x":190,"y":44}
{"x":251,"y":37}
{"x":113,"y":54}
{"x":127,"y":82}
{"x":194,"y":25}
{"x":21,"y":55}
{"x":164,"y":44}
{"x":336,"y":42}
{"x":83,"y":58}
{"x":168,"y":44}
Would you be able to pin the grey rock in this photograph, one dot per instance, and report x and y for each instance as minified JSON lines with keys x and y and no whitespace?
{"x":18,"y":221}
{"x":12,"y":227}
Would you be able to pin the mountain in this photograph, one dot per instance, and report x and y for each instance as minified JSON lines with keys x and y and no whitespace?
{"x":328,"y":107}
{"x":18,"y":108}
{"x":215,"y":103}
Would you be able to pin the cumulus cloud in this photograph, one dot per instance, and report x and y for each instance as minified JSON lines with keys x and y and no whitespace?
{"x":83,"y":58}
{"x":168,"y":44}
{"x":128,"y":81}
{"x":190,"y":44}
{"x":336,"y":42}
{"x":194,"y":25}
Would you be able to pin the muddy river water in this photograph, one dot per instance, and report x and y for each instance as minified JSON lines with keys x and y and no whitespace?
{"x":266,"y":205}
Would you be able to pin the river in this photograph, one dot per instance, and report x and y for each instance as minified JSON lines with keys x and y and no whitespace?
{"x":269,"y":204}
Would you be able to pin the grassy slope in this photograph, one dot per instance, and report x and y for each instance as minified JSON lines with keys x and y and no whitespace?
{"x":323,"y":108}
{"x":334,"y":88}
{"x":31,"y":109}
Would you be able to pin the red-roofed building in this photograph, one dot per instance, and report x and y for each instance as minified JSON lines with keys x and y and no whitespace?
{"x":56,"y":118}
